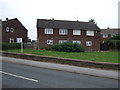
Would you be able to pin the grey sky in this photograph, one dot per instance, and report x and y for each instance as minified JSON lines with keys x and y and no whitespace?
{"x":105,"y":12}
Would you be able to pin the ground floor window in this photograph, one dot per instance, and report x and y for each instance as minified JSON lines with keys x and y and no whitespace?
{"x":49,"y":42}
{"x":11,"y":40}
{"x":79,"y":42}
{"x":88,"y":43}
{"x":62,"y":41}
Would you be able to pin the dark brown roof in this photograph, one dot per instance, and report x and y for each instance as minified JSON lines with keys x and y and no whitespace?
{"x":47,"y":23}
{"x":112,"y":31}
{"x":12,"y":20}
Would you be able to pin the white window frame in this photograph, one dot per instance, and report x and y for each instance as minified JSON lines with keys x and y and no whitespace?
{"x":75,"y":41}
{"x":11,"y":29}
{"x":63,"y":31}
{"x":62,"y":41}
{"x":11,"y":39}
{"x":48,"y":31}
{"x":88,"y":43}
{"x":50,"y":42}
{"x":90,"y":33}
{"x":76,"y":32}
{"x":7,"y":29}
{"x":105,"y":35}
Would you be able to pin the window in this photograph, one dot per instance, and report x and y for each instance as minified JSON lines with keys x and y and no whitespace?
{"x":105,"y":35}
{"x":90,"y":33}
{"x":50,"y":42}
{"x":112,"y":35}
{"x":11,"y":40}
{"x":88,"y":43}
{"x":76,"y":32}
{"x":12,"y":29}
{"x":79,"y":42}
{"x":62,"y":41}
{"x":63,"y":31}
{"x":48,"y":31}
{"x":7,"y":29}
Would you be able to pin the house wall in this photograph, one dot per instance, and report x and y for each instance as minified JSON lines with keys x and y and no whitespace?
{"x":19,"y":31}
{"x":42,"y":38}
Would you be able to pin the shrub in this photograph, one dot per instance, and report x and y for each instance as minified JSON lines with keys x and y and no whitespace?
{"x":113,"y":44}
{"x":6,"y":46}
{"x":67,"y":47}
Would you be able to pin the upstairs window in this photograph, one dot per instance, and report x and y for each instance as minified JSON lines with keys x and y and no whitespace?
{"x":48,"y":31}
{"x":7,"y":29}
{"x":79,"y":42}
{"x":88,"y":43}
{"x":90,"y":33}
{"x":76,"y":32}
{"x":105,"y":35}
{"x":63,"y":31}
{"x":112,"y":35}
{"x":11,"y":29}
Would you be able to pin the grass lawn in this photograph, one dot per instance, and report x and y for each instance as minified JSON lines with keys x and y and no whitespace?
{"x":110,"y":56}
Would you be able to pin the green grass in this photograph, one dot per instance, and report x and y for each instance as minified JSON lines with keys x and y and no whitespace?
{"x":110,"y":56}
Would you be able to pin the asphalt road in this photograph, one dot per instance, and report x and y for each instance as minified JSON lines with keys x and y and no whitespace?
{"x":22,"y":76}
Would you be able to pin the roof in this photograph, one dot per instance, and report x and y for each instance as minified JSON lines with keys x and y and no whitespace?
{"x":112,"y":31}
{"x":11,"y":20}
{"x":63,"y":24}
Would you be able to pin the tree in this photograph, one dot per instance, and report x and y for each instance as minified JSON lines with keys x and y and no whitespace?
{"x":92,"y":20}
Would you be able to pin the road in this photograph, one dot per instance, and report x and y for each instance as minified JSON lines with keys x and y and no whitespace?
{"x":23,"y":76}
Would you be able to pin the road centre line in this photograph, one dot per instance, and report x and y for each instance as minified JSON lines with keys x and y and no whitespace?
{"x":34,"y":80}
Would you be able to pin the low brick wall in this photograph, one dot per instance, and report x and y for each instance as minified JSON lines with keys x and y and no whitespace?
{"x":74,"y":62}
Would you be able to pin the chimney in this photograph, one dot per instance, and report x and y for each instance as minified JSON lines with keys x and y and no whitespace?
{"x":108,"y":28}
{"x":6,"y":19}
{"x":53,"y":19}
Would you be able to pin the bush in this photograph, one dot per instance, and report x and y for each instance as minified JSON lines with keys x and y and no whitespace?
{"x":6,"y":46}
{"x":113,"y":44}
{"x":67,"y":47}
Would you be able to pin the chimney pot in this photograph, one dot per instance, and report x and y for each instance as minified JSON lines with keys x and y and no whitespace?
{"x":7,"y":19}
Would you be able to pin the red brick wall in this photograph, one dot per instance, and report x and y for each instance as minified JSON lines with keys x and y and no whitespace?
{"x":70,"y":37}
{"x":19,"y":31}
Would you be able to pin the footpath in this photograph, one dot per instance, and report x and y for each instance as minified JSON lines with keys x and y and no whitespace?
{"x":74,"y":69}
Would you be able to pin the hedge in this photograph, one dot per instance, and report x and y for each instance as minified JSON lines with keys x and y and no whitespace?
{"x":113,"y":44}
{"x":6,"y":46}
{"x":67,"y":47}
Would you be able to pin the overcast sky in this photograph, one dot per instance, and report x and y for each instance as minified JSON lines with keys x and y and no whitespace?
{"x":105,"y":12}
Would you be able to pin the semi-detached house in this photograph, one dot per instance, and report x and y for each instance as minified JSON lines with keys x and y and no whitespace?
{"x":50,"y":31}
{"x":13,"y":30}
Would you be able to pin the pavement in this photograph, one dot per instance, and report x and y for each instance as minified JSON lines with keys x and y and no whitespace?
{"x":24,"y":76}
{"x":113,"y":74}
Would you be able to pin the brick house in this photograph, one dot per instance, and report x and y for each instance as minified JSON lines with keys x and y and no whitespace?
{"x":12,"y":30}
{"x":108,"y":33}
{"x":51,"y":32}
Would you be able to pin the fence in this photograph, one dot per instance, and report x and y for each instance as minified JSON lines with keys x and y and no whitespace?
{"x":30,"y":45}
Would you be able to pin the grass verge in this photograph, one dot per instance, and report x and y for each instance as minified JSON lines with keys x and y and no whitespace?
{"x":109,"y":56}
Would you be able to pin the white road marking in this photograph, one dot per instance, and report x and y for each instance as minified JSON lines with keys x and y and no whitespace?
{"x":19,"y":76}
